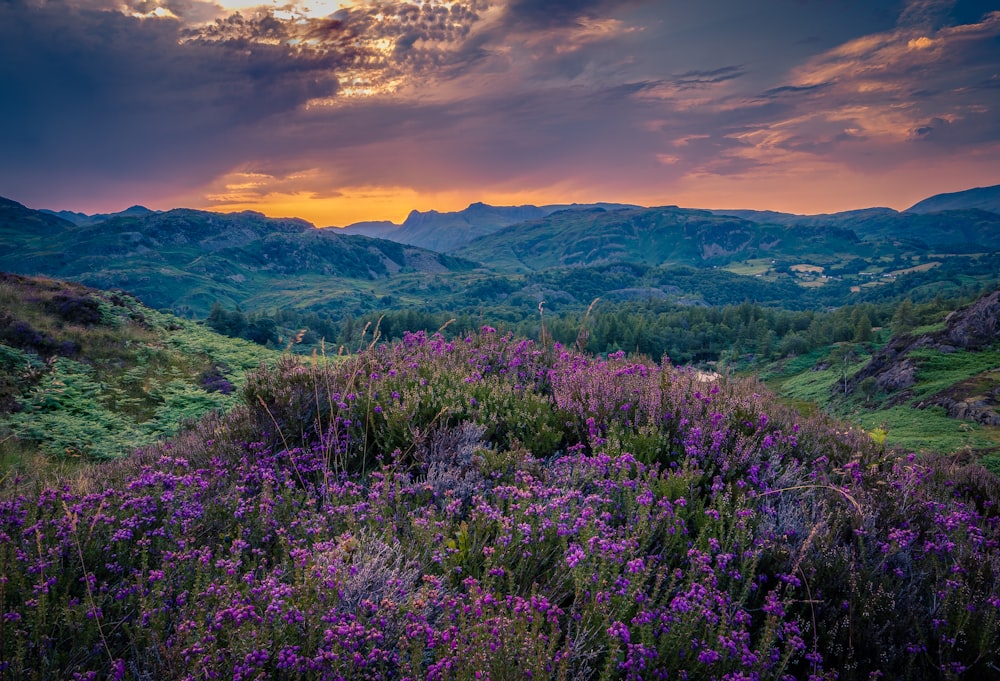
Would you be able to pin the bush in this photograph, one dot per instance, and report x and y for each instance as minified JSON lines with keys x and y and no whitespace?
{"x":385,"y":516}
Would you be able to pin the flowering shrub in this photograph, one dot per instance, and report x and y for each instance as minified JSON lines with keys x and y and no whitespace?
{"x":491,"y":509}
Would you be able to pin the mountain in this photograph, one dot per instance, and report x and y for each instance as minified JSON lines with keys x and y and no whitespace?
{"x":84,"y":219}
{"x":510,"y":258}
{"x":447,"y":232}
{"x":981,"y":198}
{"x":20,"y":222}
{"x":953,"y":229}
{"x":650,"y":236}
{"x":950,"y":231}
{"x":776,"y":218}
{"x":186,"y":259}
{"x":378,"y":229}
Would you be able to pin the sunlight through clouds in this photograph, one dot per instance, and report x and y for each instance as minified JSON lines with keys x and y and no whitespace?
{"x":619,"y":100}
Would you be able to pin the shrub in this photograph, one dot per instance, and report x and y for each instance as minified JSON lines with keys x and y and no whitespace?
{"x":384,"y":517}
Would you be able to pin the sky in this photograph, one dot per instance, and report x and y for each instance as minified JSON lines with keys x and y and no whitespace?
{"x":339,"y":111}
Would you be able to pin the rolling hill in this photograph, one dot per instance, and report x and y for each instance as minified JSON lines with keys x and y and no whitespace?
{"x":650,"y":236}
{"x":449,"y":231}
{"x":508,"y":259}
{"x":951,"y":229}
{"x":980,"y":198}
{"x":95,"y":374}
{"x":186,"y":259}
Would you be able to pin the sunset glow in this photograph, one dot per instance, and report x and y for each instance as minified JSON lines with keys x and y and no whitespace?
{"x":341,"y":111}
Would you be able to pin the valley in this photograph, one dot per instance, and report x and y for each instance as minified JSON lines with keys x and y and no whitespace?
{"x":601,"y":439}
{"x":658,"y":281}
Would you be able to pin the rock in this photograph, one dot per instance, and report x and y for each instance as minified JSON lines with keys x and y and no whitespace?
{"x":977,"y":325}
{"x":975,"y":410}
{"x":971,"y":328}
{"x":897,"y":376}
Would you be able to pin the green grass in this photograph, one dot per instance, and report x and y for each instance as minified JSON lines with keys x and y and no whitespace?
{"x":927,"y":328}
{"x":135,"y":374}
{"x":937,"y":371}
{"x":749,"y":268}
{"x":794,"y":365}
{"x":810,"y":386}
{"x":928,"y":429}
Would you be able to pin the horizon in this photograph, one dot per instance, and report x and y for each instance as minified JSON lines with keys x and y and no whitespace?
{"x":400,"y":221}
{"x":341,"y":111}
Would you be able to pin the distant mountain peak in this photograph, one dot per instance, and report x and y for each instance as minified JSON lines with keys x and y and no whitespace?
{"x":979,"y":198}
{"x":83,"y":219}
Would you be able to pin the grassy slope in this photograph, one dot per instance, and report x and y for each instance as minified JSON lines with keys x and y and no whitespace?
{"x":96,"y":374}
{"x":495,"y":508}
{"x":811,"y":381}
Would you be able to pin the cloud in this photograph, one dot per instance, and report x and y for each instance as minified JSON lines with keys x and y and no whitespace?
{"x":925,"y":81}
{"x":123,"y":98}
{"x":619,"y":100}
{"x":700,"y":78}
{"x":548,"y":14}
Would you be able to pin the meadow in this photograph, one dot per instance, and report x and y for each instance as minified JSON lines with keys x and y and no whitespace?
{"x":488,"y":507}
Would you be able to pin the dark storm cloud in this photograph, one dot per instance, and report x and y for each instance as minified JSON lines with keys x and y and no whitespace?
{"x":699,"y":78}
{"x":124,"y":97}
{"x":622,"y":96}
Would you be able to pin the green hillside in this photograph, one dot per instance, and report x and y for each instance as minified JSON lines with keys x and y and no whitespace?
{"x":933,"y":387}
{"x":185,"y":260}
{"x":88,"y":373}
{"x":650,"y":236}
{"x":188,"y":261}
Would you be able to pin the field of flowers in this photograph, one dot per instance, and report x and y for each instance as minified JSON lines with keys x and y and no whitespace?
{"x":491,"y":508}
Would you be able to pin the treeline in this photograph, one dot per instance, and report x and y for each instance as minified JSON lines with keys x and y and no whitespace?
{"x":740,"y":334}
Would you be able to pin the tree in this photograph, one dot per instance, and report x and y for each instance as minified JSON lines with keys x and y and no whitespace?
{"x":905,"y":318}
{"x":262,"y":330}
{"x":863,"y":329}
{"x":868,"y":388}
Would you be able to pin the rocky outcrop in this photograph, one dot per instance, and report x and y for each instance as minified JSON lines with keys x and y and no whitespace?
{"x":975,"y":409}
{"x":891,"y":367}
{"x":972,"y":328}
{"x":976,"y":399}
{"x":976,"y":326}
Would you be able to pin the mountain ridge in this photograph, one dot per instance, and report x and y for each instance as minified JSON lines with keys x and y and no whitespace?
{"x":185,"y":258}
{"x":449,"y":230}
{"x":982,"y":198}
{"x":78,"y":218}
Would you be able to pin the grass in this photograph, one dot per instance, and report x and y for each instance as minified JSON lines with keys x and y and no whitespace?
{"x":917,"y":268}
{"x":937,"y":371}
{"x":495,"y":508}
{"x":89,"y":374}
{"x":923,"y":430}
{"x":916,"y":429}
{"x":750,"y":268}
